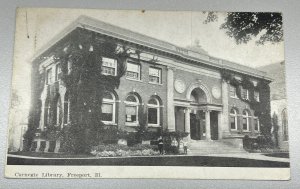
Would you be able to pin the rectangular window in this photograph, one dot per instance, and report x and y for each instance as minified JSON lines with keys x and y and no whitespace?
{"x":155,"y":75}
{"x":245,"y":94}
{"x":107,"y":112}
{"x":232,"y":90}
{"x":133,"y":71}
{"x":58,"y":72}
{"x":131,"y":114}
{"x":109,"y":66}
{"x":49,"y":76}
{"x":256,"y":96}
{"x":256,"y":124}
{"x":152,"y":116}
{"x":232,"y":123}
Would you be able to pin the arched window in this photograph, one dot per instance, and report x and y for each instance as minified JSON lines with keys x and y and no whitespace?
{"x":109,"y":108}
{"x":131,"y":108}
{"x":284,"y":125}
{"x":233,"y":119}
{"x":153,"y":112}
{"x":66,"y":108}
{"x":246,"y":120}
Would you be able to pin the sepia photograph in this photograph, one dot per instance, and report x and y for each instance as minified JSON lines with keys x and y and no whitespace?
{"x":169,"y":94}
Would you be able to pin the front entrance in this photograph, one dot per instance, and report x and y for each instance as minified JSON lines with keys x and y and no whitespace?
{"x":197,"y":126}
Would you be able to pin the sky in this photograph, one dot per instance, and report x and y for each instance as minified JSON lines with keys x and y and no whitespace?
{"x":35,"y":27}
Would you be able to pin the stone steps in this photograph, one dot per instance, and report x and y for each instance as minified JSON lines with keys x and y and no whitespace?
{"x":213,"y":147}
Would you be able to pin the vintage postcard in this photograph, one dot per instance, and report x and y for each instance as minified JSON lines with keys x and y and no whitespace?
{"x":148,"y":94}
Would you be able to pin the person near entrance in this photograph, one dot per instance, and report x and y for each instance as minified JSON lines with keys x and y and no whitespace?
{"x":185,"y":146}
{"x":160,"y":145}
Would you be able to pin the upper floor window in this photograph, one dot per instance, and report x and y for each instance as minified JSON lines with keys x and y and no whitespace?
{"x":109,"y":66}
{"x":232,"y":90}
{"x":108,"y":107}
{"x":153,"y":112}
{"x":245,"y":94}
{"x":154,"y":75}
{"x":131,"y":109}
{"x":246,"y":120}
{"x":49,"y":76}
{"x":58,"y":72}
{"x":233,"y":119}
{"x":256,"y":96}
{"x":133,"y":71}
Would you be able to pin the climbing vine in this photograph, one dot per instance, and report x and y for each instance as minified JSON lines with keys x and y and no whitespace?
{"x":261,"y":108}
{"x":81,"y":65}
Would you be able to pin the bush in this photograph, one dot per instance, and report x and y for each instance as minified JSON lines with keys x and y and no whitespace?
{"x":115,"y":150}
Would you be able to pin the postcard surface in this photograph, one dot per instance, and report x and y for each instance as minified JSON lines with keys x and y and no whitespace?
{"x":148,"y":94}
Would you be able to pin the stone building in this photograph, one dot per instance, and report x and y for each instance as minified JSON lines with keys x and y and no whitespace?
{"x":179,"y":89}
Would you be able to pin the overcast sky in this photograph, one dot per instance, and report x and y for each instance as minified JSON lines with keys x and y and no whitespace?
{"x":179,"y":28}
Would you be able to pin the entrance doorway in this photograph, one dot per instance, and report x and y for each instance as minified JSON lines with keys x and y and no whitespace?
{"x":214,"y":125}
{"x":197,"y":126}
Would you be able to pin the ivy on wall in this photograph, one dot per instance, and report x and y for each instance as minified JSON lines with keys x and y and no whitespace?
{"x":85,"y":85}
{"x":262,"y":108}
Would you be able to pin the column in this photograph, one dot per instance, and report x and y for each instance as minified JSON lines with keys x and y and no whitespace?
{"x":170,"y":99}
{"x":225,"y":113}
{"x":207,"y":125}
{"x":220,"y":135}
{"x":187,"y":122}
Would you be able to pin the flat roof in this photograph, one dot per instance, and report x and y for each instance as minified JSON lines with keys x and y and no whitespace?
{"x":144,"y":40}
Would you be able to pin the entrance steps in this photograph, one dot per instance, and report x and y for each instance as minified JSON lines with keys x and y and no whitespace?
{"x":224,"y":146}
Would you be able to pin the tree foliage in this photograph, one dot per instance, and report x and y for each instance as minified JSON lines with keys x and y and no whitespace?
{"x":244,"y":26}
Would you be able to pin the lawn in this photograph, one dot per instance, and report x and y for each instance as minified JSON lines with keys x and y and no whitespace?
{"x":86,"y":160}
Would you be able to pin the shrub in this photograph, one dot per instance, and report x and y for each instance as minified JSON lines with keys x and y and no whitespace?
{"x":114,"y":150}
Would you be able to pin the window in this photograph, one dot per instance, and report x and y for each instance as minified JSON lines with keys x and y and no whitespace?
{"x":69,"y":67}
{"x":57,"y":113}
{"x":49,"y":76}
{"x":109,"y":66}
{"x":256,"y":96}
{"x":108,"y":107}
{"x":155,"y":75}
{"x":233,"y":119}
{"x":66,"y":109}
{"x":131,"y":108}
{"x":246,"y":120}
{"x":285,"y":125}
{"x":133,"y":71}
{"x":58,"y":72}
{"x":232,"y":90}
{"x":256,"y":124}
{"x":47,"y":113}
{"x":153,"y":112}
{"x":245,"y":94}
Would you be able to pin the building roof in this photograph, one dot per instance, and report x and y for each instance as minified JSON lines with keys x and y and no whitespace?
{"x":141,"y":39}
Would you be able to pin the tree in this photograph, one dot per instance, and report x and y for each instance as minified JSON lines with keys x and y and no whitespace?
{"x":244,"y":26}
{"x":275,"y":128}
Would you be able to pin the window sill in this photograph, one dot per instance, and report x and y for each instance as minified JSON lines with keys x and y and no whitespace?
{"x":153,"y":125}
{"x":234,"y":97}
{"x":132,"y":124}
{"x":109,"y":123}
{"x":130,"y":79}
{"x":152,"y":83}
